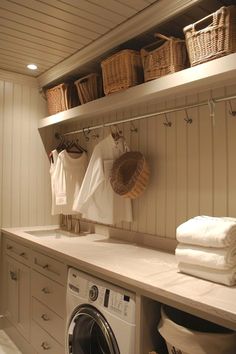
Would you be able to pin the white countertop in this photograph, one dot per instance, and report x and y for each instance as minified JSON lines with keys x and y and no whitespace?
{"x":146,"y":271}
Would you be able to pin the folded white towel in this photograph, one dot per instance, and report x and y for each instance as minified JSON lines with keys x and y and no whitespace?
{"x":217,"y":258}
{"x":226,"y":276}
{"x":208,"y":231}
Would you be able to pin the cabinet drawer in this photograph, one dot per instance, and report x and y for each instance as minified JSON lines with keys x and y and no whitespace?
{"x":49,"y":267}
{"x":43,"y":342}
{"x":16,"y":250}
{"x":49,"y":292}
{"x":48,"y":320}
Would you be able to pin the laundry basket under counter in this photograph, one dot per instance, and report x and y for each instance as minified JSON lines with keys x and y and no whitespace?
{"x":188,"y":334}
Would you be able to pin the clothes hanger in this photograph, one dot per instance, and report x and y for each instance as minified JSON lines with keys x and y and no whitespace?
{"x":75,"y":147}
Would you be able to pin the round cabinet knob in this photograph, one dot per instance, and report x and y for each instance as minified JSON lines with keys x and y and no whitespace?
{"x":93,"y":293}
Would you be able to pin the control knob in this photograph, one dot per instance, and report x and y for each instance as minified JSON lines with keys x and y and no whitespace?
{"x":93,"y":293}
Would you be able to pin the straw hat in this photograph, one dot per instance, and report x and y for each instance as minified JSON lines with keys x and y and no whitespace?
{"x":130,"y":174}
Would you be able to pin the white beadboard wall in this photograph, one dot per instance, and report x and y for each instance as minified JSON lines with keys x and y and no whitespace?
{"x":193,"y":166}
{"x":25,"y":198}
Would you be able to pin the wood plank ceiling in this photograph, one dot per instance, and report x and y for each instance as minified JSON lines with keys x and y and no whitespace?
{"x":45,"y":32}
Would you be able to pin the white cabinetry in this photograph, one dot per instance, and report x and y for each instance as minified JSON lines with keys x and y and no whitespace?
{"x":17,"y":290}
{"x":48,"y":293}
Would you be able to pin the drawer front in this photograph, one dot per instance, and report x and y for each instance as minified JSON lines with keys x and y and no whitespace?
{"x":43,"y":342}
{"x":49,"y":293}
{"x":20,"y":252}
{"x":48,"y":320}
{"x":49,"y":267}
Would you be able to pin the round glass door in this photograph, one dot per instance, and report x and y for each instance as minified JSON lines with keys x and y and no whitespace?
{"x":90,"y":333}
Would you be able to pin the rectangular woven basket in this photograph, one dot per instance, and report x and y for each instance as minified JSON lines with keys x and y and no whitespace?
{"x":89,"y":87}
{"x":61,"y":98}
{"x":213,"y":36}
{"x":121,"y":71}
{"x":165,"y":56}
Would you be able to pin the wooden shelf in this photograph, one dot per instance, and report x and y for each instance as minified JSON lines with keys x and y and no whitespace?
{"x":205,"y":75}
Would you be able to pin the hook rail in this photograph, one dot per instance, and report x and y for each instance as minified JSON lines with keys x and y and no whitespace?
{"x":150,"y":115}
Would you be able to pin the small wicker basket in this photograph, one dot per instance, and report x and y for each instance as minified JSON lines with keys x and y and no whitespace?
{"x":216,"y":39}
{"x":89,"y":87}
{"x":121,"y":71}
{"x":130,"y":174}
{"x":165,"y":56}
{"x":61,"y":98}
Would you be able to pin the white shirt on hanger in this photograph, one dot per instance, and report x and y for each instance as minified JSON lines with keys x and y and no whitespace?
{"x":68,"y":175}
{"x":96,"y":199}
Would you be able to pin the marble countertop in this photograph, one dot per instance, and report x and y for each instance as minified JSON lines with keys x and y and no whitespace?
{"x":146,"y":271}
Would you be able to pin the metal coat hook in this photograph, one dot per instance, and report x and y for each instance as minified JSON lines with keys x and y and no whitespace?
{"x":211,"y":105}
{"x":231,"y":111}
{"x":167,"y":123}
{"x":188,"y":120}
{"x":86,"y":132}
{"x":133,"y":129}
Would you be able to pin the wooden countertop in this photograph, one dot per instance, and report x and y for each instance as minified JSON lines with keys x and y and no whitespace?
{"x":146,"y":271}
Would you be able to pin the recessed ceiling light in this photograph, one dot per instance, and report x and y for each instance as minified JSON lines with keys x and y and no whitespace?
{"x":32,"y":67}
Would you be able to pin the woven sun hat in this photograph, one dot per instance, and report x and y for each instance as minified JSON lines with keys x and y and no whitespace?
{"x":130,"y":174}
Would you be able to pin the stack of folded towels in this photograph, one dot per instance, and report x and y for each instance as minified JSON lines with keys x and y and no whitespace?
{"x":207,"y":248}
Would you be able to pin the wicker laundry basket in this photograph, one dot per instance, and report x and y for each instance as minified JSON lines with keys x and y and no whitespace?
{"x":130,"y":174}
{"x":89,"y":87}
{"x":165,"y":56}
{"x":61,"y":98}
{"x":217,"y":38}
{"x":121,"y":71}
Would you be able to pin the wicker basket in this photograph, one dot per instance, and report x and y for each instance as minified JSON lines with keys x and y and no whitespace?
{"x":165,"y":56}
{"x":89,"y":87}
{"x":61,"y":98}
{"x":130,"y":174}
{"x":121,"y":71}
{"x":217,"y":39}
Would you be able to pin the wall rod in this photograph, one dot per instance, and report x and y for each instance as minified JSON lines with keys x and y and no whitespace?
{"x":149,"y":115}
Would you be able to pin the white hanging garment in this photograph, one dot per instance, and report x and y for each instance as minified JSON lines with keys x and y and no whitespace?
{"x":96,"y":199}
{"x":53,"y":166}
{"x":68,"y":176}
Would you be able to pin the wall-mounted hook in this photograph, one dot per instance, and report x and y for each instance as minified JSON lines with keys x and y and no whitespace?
{"x":133,"y":129}
{"x":86,"y":132}
{"x":167,"y":123}
{"x":231,"y":111}
{"x":188,"y":120}
{"x":211,"y":105}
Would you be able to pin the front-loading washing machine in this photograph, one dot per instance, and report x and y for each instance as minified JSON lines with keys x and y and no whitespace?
{"x":100,"y":316}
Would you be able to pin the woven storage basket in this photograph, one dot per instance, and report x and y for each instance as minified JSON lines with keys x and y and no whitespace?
{"x":121,"y":71}
{"x":216,"y":39}
{"x":165,"y":56}
{"x":61,"y":98}
{"x":130,"y":174}
{"x":89,"y":87}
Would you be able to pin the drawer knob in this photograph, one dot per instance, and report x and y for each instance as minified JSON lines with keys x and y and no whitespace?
{"x":9,"y":247}
{"x":22,"y":254}
{"x":45,"y":290}
{"x":45,"y":317}
{"x":13,"y":275}
{"x":46,"y":266}
{"x":45,"y":346}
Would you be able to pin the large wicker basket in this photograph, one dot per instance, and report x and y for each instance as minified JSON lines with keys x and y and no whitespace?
{"x":130,"y":174}
{"x":165,"y":56}
{"x":121,"y":71}
{"x":217,"y":38}
{"x":89,"y":87}
{"x":61,"y":98}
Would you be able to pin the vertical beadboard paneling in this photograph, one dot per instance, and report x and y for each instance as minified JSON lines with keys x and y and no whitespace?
{"x":220,"y":164}
{"x":193,"y":160}
{"x":206,"y":157}
{"x":231,"y":146}
{"x":24,"y":166}
{"x":181,"y":163}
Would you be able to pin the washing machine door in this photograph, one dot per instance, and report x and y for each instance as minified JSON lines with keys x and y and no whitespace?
{"x":90,"y":333}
